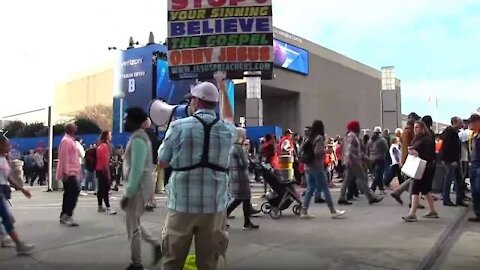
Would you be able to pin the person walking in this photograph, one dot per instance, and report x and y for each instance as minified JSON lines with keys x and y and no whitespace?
{"x":102,"y":170}
{"x":315,"y":172}
{"x":377,"y":150}
{"x":138,"y":172}
{"x":29,"y":166}
{"x":270,"y":156}
{"x":38,"y":167}
{"x":406,"y":140}
{"x":239,"y":182}
{"x":450,"y":155}
{"x":395,"y":167}
{"x":81,"y":158}
{"x":197,"y":148}
{"x":155,"y":143}
{"x":474,"y":147}
{"x":423,"y":146}
{"x":355,"y":160}
{"x":90,"y":165}
{"x":70,"y":171}
{"x":5,"y":192}
{"x":339,"y":154}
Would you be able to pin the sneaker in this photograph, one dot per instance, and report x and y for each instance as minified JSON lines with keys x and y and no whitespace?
{"x":63,"y":217}
{"x":251,"y":227}
{"x":101,"y":210}
{"x":319,"y":200}
{"x":448,"y":203}
{"x":474,"y":219}
{"x":338,"y":214}
{"x":70,"y":222}
{"x":135,"y":267}
{"x":83,"y":193}
{"x":462,"y":204}
{"x":397,"y":198}
{"x":306,"y":216}
{"x":7,"y":243}
{"x":111,"y":212}
{"x":149,"y":208}
{"x":376,"y":200}
{"x":431,"y":215}
{"x":25,"y":249}
{"x":410,"y":218}
{"x":344,"y":202}
{"x":254,"y":211}
{"x":157,"y":254}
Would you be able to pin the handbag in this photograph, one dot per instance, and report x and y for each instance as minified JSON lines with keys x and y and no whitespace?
{"x":414,"y":167}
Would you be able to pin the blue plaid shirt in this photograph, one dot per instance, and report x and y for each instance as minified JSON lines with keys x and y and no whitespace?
{"x":201,"y":190}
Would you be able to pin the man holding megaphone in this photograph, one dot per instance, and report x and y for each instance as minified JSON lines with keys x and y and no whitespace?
{"x":197,"y":149}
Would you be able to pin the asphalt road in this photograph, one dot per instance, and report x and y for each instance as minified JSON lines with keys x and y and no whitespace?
{"x":370,"y":237}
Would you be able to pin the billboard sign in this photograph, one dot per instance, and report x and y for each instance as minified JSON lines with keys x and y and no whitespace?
{"x":290,"y":57}
{"x":134,"y":81}
{"x":205,"y":36}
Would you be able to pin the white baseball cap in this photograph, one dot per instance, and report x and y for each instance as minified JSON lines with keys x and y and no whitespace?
{"x":205,"y":91}
{"x":377,"y":130}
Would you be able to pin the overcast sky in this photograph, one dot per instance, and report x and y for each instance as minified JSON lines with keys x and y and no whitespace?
{"x":432,"y":43}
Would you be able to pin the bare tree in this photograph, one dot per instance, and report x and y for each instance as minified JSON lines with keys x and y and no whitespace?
{"x":100,"y":114}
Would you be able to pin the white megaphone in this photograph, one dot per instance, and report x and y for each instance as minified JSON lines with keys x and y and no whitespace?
{"x":162,"y":113}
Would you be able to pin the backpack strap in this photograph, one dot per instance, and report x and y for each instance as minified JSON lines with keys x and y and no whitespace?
{"x":204,"y":163}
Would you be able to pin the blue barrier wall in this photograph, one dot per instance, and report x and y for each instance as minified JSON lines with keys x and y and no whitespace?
{"x":24,"y":144}
{"x":255,"y":133}
{"x":21,"y":145}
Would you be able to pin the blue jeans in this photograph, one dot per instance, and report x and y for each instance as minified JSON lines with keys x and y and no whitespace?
{"x":475,"y":185}
{"x":453,"y":173}
{"x":388,"y":169}
{"x":5,"y":214}
{"x":317,"y":179}
{"x":379,"y":169}
{"x":90,"y":181}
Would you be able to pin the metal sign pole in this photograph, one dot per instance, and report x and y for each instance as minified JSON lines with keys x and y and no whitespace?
{"x":50,"y":149}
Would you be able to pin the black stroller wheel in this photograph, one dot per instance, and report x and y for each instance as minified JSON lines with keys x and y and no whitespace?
{"x":266,"y":208}
{"x":297,"y":209}
{"x":275,"y":213}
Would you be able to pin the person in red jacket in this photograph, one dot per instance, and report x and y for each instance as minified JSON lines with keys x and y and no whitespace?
{"x":285,"y":145}
{"x":102,"y":170}
{"x":269,"y":151}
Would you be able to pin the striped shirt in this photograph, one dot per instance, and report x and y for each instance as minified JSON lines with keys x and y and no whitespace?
{"x":201,"y":190}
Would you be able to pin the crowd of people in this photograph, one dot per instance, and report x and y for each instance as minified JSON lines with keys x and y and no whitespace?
{"x":209,"y":160}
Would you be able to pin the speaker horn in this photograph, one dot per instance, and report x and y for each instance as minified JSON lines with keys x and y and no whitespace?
{"x":162,"y":113}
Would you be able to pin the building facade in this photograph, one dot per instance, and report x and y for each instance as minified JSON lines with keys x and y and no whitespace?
{"x":331,"y":87}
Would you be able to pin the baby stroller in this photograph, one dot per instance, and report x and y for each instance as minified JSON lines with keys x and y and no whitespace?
{"x":281,"y":195}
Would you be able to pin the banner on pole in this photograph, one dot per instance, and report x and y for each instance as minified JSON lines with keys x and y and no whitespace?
{"x":205,"y":36}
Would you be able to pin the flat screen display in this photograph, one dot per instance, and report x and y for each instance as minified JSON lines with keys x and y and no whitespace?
{"x":290,"y":57}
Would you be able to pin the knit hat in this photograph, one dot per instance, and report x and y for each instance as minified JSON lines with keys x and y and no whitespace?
{"x":353,"y":125}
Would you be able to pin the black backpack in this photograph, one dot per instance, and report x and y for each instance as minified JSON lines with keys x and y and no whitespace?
{"x":307,"y":155}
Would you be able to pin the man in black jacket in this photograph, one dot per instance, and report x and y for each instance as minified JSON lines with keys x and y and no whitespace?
{"x":450,"y":156}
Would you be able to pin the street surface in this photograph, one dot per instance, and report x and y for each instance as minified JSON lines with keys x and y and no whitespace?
{"x":370,"y":237}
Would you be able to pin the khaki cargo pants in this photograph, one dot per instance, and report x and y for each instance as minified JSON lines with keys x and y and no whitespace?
{"x":211,"y":240}
{"x":135,"y":230}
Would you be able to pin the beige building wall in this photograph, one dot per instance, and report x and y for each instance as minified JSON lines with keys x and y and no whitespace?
{"x":93,"y":88}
